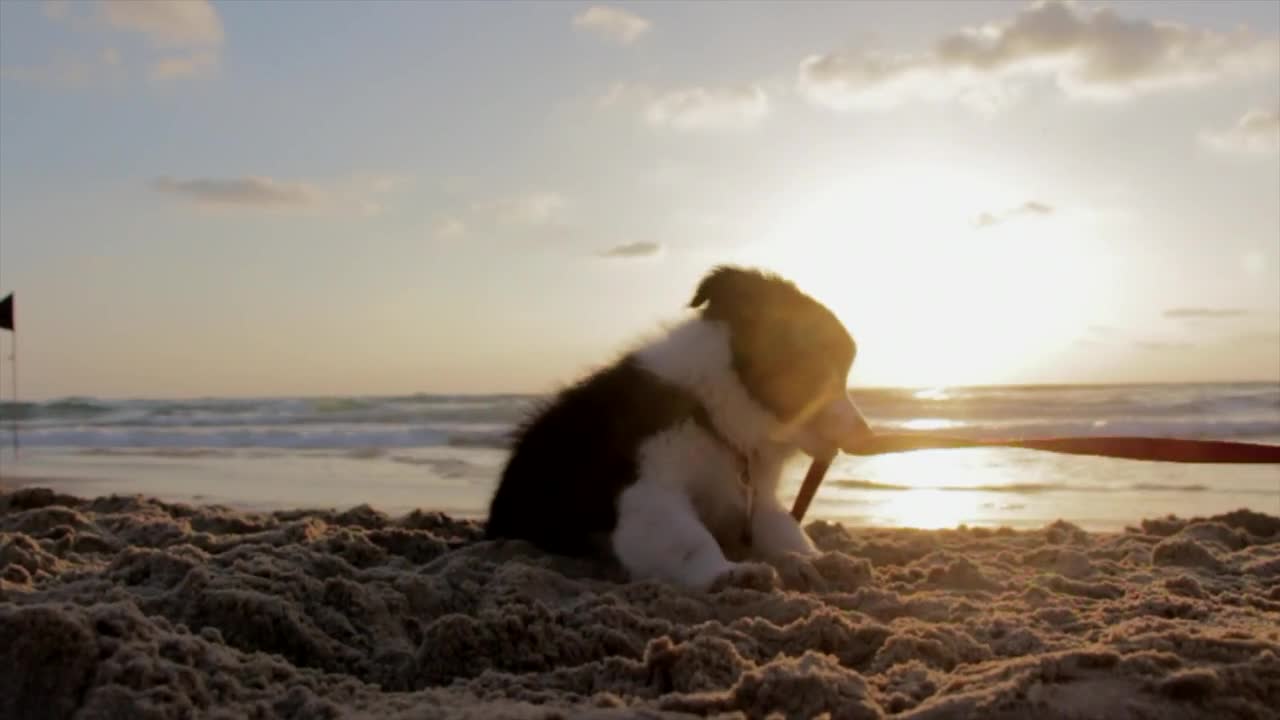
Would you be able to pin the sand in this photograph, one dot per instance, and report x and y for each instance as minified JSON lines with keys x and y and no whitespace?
{"x":125,"y":606}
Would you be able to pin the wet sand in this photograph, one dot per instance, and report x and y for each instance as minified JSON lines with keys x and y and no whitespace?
{"x":126,"y":606}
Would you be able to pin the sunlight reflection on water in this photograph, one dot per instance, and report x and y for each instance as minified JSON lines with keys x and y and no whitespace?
{"x":927,"y":509}
{"x":1023,"y":488}
{"x":937,"y":393}
{"x":930,"y":424}
{"x":928,"y":502}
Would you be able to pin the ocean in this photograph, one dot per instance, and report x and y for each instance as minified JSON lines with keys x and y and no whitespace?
{"x":444,"y":452}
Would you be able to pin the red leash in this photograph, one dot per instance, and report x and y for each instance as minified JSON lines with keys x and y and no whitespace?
{"x":1131,"y":448}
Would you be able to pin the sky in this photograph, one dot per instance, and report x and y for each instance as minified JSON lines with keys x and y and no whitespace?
{"x":328,"y":198}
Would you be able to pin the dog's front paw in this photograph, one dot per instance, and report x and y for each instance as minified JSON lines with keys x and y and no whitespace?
{"x":749,"y":576}
{"x":797,"y":572}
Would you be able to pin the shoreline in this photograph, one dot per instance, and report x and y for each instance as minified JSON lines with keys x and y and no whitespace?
{"x":928,"y":489}
{"x":120,"y":604}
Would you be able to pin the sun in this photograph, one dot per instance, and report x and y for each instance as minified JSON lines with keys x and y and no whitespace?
{"x":933,"y":296}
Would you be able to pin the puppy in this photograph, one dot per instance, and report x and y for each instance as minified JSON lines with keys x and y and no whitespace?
{"x":670,"y":458}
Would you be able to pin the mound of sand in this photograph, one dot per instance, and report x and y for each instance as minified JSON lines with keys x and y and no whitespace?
{"x":130,"y":607}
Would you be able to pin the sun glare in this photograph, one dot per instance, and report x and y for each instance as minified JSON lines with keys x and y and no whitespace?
{"x":934,"y":296}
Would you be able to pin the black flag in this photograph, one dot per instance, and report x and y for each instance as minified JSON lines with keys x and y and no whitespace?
{"x":6,"y":312}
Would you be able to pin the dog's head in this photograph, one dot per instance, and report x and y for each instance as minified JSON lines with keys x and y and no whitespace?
{"x":791,"y":354}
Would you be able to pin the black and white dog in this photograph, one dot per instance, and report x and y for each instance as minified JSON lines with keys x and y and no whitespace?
{"x":670,"y":457}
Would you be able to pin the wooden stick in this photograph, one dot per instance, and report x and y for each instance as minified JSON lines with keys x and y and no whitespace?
{"x":809,"y":487}
{"x":1131,"y":448}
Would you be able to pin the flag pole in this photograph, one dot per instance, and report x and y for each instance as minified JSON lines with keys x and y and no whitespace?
{"x":13,"y":370}
{"x":7,"y":323}
{"x":15,"y":454}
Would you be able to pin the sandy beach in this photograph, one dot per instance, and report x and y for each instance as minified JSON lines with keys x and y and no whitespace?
{"x":126,"y":606}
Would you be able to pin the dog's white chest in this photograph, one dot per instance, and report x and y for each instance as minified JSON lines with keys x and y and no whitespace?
{"x":717,"y":481}
{"x":723,"y":504}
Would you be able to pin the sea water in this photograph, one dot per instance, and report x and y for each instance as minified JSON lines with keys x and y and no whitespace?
{"x":445,"y":452}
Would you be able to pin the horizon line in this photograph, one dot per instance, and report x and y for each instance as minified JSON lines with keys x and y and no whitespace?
{"x":852,"y":388}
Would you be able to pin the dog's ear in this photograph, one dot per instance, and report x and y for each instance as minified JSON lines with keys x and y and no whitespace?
{"x":724,"y":285}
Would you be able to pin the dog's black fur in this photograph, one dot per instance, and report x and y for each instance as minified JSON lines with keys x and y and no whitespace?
{"x":572,"y":459}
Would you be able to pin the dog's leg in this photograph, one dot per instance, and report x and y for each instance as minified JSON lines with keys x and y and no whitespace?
{"x":659,"y":536}
{"x":774,"y":532}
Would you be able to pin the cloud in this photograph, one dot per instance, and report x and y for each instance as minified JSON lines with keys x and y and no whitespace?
{"x":1253,"y":262}
{"x":63,"y":71}
{"x":1101,"y":336}
{"x":529,"y":208}
{"x":624,"y":92}
{"x":56,"y":9}
{"x":189,"y":33}
{"x":186,"y":24}
{"x":449,"y":228}
{"x":612,"y":23}
{"x":531,"y":211}
{"x":1163,"y":345}
{"x":1029,"y":208}
{"x":1204,"y":313}
{"x":733,"y":107}
{"x":256,"y":191}
{"x":180,"y":66}
{"x":1087,"y":53}
{"x":1256,"y":132}
{"x":701,"y":108}
{"x":182,"y":39}
{"x":265,"y":193}
{"x":871,"y":80}
{"x":634,"y":250}
{"x":1268,"y":338}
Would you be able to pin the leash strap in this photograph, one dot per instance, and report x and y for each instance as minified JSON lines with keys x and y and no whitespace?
{"x":1130,"y":448}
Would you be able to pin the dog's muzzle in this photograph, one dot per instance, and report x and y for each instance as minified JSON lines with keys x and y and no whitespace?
{"x":838,"y":425}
